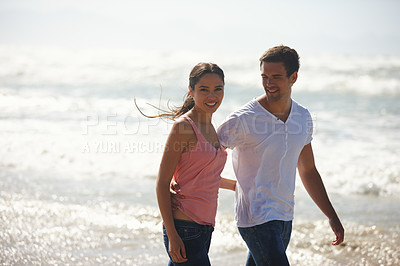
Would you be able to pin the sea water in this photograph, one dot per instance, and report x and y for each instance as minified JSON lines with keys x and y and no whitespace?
{"x":78,"y":162}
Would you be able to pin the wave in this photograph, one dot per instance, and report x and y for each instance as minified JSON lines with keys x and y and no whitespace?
{"x":121,"y":73}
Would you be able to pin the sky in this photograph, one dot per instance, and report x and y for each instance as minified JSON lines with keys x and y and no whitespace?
{"x":354,"y":27}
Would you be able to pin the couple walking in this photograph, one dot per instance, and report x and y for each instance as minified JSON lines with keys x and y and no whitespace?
{"x":269,"y":136}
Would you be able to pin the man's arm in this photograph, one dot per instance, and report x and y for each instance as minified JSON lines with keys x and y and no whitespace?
{"x":231,"y":132}
{"x":315,"y":187}
{"x":228,"y":184}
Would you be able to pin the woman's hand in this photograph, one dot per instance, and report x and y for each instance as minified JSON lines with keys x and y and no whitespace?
{"x":177,"y":249}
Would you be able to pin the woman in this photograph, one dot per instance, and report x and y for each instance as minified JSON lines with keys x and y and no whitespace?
{"x":194,"y":159}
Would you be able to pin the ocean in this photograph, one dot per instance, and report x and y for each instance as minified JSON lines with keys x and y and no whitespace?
{"x":78,"y":162}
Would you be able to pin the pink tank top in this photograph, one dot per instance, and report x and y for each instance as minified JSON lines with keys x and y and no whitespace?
{"x":198,"y":174}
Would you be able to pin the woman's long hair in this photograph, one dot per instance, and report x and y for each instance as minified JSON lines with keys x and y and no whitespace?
{"x":197,"y":72}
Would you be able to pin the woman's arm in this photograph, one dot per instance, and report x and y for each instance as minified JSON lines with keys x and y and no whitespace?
{"x":227,"y":184}
{"x":176,"y":144}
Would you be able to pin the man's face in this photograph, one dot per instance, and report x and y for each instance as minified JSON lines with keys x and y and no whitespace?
{"x":275,"y":81}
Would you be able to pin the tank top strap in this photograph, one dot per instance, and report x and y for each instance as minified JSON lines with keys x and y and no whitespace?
{"x":195,"y":129}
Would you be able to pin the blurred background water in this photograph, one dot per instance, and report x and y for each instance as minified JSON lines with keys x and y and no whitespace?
{"x":78,"y":162}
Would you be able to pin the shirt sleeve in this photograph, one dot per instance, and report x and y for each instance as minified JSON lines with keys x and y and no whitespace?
{"x":310,"y":127}
{"x":231,"y":132}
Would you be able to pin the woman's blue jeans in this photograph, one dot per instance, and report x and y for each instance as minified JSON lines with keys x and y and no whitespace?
{"x":196,"y":238}
{"x":267,"y":243}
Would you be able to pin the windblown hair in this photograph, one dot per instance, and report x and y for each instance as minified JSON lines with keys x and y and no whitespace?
{"x":196,"y":74}
{"x":284,"y":54}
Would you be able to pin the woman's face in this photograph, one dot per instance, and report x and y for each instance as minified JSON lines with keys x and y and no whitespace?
{"x":208,"y":93}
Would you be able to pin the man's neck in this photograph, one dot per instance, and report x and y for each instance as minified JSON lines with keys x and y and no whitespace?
{"x":280,"y":109}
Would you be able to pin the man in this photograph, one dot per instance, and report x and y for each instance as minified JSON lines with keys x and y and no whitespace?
{"x":270,"y":136}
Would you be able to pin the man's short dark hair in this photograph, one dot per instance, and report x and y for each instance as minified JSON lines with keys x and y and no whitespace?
{"x":284,"y":54}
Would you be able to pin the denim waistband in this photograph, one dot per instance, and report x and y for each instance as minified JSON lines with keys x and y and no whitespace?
{"x":191,"y":224}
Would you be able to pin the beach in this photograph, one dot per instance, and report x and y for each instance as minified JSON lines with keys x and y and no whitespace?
{"x":78,"y":162}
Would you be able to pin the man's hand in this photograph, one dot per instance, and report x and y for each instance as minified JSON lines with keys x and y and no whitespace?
{"x":338,"y":229}
{"x":175,"y":195}
{"x":174,"y":187}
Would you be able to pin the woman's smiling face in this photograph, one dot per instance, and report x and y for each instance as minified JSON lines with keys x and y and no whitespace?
{"x":208,"y":93}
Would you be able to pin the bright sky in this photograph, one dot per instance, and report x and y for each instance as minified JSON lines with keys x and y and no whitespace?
{"x":313,"y":26}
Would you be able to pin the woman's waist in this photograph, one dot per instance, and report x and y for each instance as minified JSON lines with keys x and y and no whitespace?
{"x":178,"y":214}
{"x":201,"y":201}
{"x":192,"y":224}
{"x":199,"y":213}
